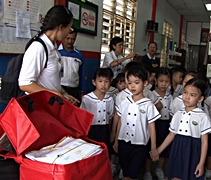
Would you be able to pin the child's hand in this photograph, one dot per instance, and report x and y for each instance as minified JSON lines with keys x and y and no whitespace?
{"x":199,"y":170}
{"x":154,"y":154}
{"x":115,"y":146}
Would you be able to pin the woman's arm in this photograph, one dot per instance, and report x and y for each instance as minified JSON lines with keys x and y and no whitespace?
{"x":204,"y":146}
{"x":34,"y":87}
{"x":119,"y":61}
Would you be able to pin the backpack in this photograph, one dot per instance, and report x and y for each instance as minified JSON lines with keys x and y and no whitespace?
{"x":9,"y":81}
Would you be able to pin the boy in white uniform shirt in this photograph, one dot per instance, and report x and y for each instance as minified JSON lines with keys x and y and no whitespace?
{"x":101,"y":105}
{"x":137,"y":115}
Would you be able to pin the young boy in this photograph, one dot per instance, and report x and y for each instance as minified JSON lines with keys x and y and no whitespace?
{"x":137,"y":115}
{"x":101,"y":105}
{"x":176,"y":86}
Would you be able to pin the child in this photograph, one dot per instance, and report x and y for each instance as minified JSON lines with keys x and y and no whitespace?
{"x":120,"y":82}
{"x":163,"y":80}
{"x":189,"y":130}
{"x":177,"y":102}
{"x":207,"y":110}
{"x":112,"y":91}
{"x":177,"y":77}
{"x":137,"y":115}
{"x":101,"y":105}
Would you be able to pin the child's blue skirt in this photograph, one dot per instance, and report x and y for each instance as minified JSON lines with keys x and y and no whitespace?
{"x":184,"y":158}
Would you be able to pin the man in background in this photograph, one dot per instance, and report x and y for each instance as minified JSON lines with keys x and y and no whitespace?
{"x":73,"y":76}
{"x":150,"y":56}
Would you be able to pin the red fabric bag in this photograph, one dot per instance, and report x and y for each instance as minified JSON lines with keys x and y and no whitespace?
{"x":40,"y":119}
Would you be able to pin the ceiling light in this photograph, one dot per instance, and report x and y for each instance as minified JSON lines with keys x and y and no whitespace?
{"x":208,"y":6}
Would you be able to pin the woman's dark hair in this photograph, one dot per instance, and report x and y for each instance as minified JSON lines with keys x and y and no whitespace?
{"x":198,"y":83}
{"x":56,"y":16}
{"x":114,"y":41}
{"x":163,"y":71}
{"x":102,"y":72}
{"x":139,"y":72}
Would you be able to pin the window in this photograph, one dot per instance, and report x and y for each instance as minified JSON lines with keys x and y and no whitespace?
{"x":168,"y":32}
{"x":119,"y":19}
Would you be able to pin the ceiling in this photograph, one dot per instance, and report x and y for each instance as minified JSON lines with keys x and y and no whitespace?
{"x":192,"y":10}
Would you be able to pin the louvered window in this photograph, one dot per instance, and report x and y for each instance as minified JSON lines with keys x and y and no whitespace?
{"x":168,"y":32}
{"x":119,"y":19}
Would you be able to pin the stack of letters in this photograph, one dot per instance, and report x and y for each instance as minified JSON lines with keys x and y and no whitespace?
{"x":66,"y":151}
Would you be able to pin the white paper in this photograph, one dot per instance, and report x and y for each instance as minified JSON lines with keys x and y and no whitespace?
{"x":1,"y":33}
{"x":23,"y":24}
{"x":74,"y":8}
{"x":1,"y":9}
{"x":67,"y":151}
{"x":10,"y":8}
{"x":33,"y":7}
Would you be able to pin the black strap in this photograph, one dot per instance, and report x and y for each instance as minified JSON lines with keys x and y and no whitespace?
{"x":30,"y":104}
{"x":55,"y":98}
{"x":45,"y":47}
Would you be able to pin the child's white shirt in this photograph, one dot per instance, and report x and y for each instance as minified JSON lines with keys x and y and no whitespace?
{"x":194,"y":123}
{"x":135,"y":119}
{"x":103,"y":110}
{"x":166,"y":102}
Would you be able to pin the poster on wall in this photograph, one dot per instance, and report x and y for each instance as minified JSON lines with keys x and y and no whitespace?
{"x":85,"y":16}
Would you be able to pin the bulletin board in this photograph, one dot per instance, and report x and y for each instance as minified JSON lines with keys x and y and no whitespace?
{"x":85,"y":16}
{"x":9,"y":42}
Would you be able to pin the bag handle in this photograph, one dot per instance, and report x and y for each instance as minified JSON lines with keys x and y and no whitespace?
{"x":55,"y":98}
{"x":30,"y":104}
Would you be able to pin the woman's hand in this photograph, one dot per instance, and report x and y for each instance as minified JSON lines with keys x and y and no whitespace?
{"x":70,"y":98}
{"x":131,"y":55}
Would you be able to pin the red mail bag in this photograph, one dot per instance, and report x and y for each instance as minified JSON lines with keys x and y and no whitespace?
{"x":40,"y":119}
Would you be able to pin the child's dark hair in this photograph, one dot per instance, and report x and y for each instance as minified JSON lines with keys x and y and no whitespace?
{"x":175,"y":70}
{"x":102,"y":72}
{"x":194,"y":74}
{"x":198,"y":83}
{"x":120,"y":78}
{"x":130,"y":65}
{"x":114,"y":41}
{"x":139,"y":72}
{"x":111,"y":72}
{"x":163,"y":71}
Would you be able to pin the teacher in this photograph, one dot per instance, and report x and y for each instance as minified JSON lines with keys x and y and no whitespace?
{"x":114,"y":59}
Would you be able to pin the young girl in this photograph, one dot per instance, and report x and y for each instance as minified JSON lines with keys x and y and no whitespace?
{"x":120,"y":83}
{"x":101,"y":105}
{"x":177,"y":102}
{"x":163,"y":80}
{"x":189,"y":130}
{"x":33,"y":76}
{"x":137,"y":115}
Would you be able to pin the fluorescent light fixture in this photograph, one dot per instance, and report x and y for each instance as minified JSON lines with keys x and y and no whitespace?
{"x":208,"y":6}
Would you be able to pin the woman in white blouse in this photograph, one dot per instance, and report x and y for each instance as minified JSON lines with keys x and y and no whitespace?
{"x":114,"y":58}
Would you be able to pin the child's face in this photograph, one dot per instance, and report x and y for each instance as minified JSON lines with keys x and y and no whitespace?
{"x":186,"y":79}
{"x":136,"y":85}
{"x":191,"y":96}
{"x":102,"y":84}
{"x":163,"y":82}
{"x":177,"y":78}
{"x":121,"y":85}
{"x":151,"y":78}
